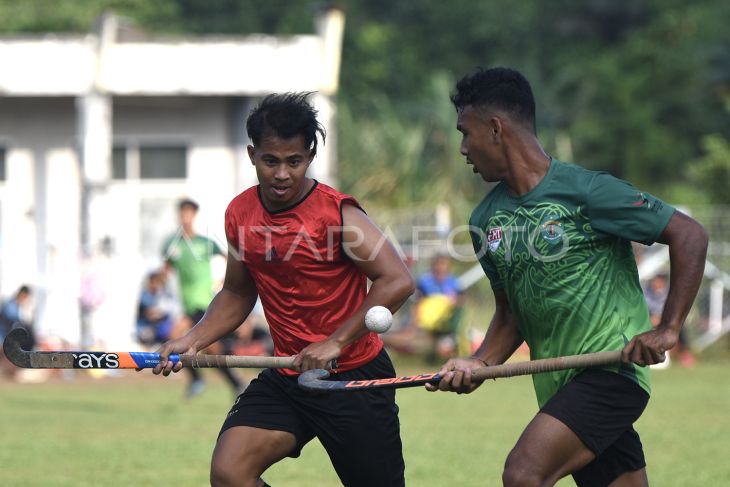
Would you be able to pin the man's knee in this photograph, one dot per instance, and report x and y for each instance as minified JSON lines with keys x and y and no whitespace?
{"x":224,"y":473}
{"x":242,"y":454}
{"x":235,"y":470}
{"x":519,"y":472}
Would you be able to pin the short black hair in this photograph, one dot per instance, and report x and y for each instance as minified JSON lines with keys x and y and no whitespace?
{"x":501,"y":88}
{"x":24,"y":289}
{"x":285,"y":115}
{"x":188,"y":202}
{"x":154,"y":275}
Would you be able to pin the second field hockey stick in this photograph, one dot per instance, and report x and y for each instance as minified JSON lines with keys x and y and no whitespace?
{"x":314,"y":380}
{"x":127,"y":360}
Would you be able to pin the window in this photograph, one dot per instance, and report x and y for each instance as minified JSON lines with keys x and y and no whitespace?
{"x":119,"y":163}
{"x":163,"y":162}
{"x":2,"y":164}
{"x":149,"y":162}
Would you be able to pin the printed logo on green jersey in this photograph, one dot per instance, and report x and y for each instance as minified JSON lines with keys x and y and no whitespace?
{"x":641,"y":200}
{"x":494,"y":238}
{"x":551,"y":229}
{"x":543,"y":233}
{"x":651,"y":204}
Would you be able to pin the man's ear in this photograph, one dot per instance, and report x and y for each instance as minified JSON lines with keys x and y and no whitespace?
{"x":251,"y":154}
{"x":495,"y":127}
{"x":312,"y":153}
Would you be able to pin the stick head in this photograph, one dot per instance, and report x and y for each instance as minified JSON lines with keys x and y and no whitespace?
{"x":314,"y":380}
{"x":12,"y":349}
{"x":378,"y":319}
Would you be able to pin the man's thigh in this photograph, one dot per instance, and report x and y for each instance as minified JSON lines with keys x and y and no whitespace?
{"x":620,"y":465}
{"x":360,"y":430}
{"x":600,"y":407}
{"x":250,"y":451}
{"x":547,"y":450}
{"x":267,"y":404}
{"x":363,"y":440}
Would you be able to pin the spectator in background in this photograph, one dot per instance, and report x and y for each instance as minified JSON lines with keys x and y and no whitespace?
{"x":16,"y":312}
{"x":655,"y":294}
{"x":189,"y":254}
{"x":154,"y":319}
{"x":439,"y":306}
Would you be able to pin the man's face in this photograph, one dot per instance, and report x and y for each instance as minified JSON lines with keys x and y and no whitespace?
{"x":480,"y":143}
{"x":441,"y":267}
{"x":281,"y":168}
{"x":187,"y":215}
{"x":156,"y":283}
{"x":658,"y":284}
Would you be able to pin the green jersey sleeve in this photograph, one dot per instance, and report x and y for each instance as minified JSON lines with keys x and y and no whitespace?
{"x":167,"y":251}
{"x":481,"y":249}
{"x":617,"y":208}
{"x":215,"y":249}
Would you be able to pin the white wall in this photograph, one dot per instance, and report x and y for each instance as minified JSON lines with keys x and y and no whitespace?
{"x":203,"y":125}
{"x":206,"y":127}
{"x":47,"y":66}
{"x":214,"y":66}
{"x":17,"y":242}
{"x":41,"y":202}
{"x":40,"y":206}
{"x":68,"y":65}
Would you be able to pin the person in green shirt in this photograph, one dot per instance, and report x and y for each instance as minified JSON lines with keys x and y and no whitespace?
{"x":189,"y":254}
{"x":554,"y":239}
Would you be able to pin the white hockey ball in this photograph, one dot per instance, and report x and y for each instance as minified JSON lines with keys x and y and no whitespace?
{"x":378,"y":319}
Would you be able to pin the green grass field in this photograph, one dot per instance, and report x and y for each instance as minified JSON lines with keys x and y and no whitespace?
{"x":137,"y":430}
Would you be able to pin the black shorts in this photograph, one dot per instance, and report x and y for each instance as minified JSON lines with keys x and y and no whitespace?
{"x":360,"y":430}
{"x":600,"y":407}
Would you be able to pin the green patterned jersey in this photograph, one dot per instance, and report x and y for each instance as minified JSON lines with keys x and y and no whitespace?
{"x":190,"y":257}
{"x":562,"y":253}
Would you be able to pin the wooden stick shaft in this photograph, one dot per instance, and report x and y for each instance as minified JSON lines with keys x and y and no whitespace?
{"x":548,"y":365}
{"x":315,"y":380}
{"x":232,"y":361}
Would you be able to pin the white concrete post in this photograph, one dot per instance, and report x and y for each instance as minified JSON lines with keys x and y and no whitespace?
{"x":244,"y":170}
{"x":324,"y":167}
{"x":330,"y":26}
{"x":94,"y":128}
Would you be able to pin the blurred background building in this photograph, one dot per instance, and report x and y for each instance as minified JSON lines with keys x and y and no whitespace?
{"x":102,"y":133}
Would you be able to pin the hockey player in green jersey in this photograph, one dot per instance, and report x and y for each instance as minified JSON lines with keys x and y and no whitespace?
{"x":554,"y":239}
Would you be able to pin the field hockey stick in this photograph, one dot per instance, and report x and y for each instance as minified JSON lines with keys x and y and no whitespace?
{"x":128,"y":360}
{"x":314,"y":380}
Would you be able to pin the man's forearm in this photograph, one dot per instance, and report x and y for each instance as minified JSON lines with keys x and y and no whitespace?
{"x":224,"y":314}
{"x":501,"y":340}
{"x":687,"y":263}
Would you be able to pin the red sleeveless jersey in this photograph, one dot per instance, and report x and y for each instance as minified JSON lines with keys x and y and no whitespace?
{"x":307,"y":285}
